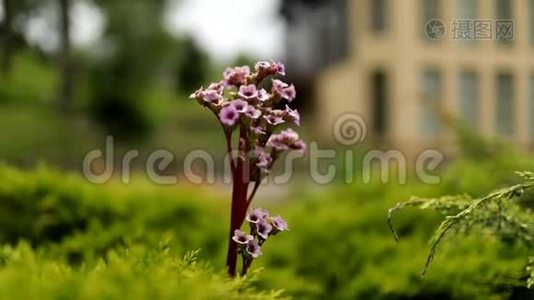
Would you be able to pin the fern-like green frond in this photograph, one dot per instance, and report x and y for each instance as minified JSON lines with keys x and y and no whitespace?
{"x":496,"y":211}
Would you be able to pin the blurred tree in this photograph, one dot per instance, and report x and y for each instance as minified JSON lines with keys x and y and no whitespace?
{"x":137,"y":46}
{"x":19,"y":12}
{"x":10,"y":38}
{"x":193,"y":66}
{"x":7,"y":36}
{"x":65,"y":62}
{"x":115,"y":99}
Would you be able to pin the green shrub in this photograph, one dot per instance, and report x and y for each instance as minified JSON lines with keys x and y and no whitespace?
{"x":497,"y":214}
{"x":339,"y":246}
{"x":46,"y":207}
{"x":135,"y":272}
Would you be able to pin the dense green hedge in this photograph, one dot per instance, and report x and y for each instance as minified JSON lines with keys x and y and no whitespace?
{"x":342,"y":248}
{"x":133,"y":272}
{"x":125,"y":238}
{"x":55,"y":209}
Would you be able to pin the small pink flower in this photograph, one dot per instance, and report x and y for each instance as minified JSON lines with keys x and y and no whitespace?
{"x":253,"y":249}
{"x":212,"y":97}
{"x":278,"y":68}
{"x":265,"y":68}
{"x":292,"y":116}
{"x":241,"y":237}
{"x":263,"y":228}
{"x":248,"y":92}
{"x":236,"y":76}
{"x":257,"y":214}
{"x":229,"y":115}
{"x":290,"y":93}
{"x":284,"y":90}
{"x":290,"y":135}
{"x":277,"y":143}
{"x":275,"y":117}
{"x":252,"y":112}
{"x":273,"y":120}
{"x":209,"y":96}
{"x":299,"y":146}
{"x":217,"y":86}
{"x":257,"y":130}
{"x":198,"y":94}
{"x":287,"y":139}
{"x":264,"y":162}
{"x":240,"y":105}
{"x":263,"y":158}
{"x":262,"y":67}
{"x":279,"y":224}
{"x":279,"y":86}
{"x":263,"y":95}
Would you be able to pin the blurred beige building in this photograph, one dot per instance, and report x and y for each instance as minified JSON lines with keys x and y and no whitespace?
{"x":399,"y":77}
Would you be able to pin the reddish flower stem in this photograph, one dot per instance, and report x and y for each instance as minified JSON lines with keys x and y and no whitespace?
{"x":231,"y":256}
{"x":238,"y":207}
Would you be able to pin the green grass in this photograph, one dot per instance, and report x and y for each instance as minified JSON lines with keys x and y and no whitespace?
{"x":32,"y":80}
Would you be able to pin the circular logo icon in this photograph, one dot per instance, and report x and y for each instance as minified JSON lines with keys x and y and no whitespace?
{"x":435,"y":29}
{"x":350,"y":129}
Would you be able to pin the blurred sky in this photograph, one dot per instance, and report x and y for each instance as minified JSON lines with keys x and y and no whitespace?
{"x":224,"y":28}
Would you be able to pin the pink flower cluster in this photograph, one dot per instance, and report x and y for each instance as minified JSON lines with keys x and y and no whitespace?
{"x":240,"y":101}
{"x":254,"y":103}
{"x":262,"y":226}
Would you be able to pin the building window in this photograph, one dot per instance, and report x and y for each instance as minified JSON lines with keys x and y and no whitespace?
{"x":378,"y":14}
{"x":431,"y":11}
{"x":503,"y":11}
{"x":379,"y":102}
{"x":466,"y":9}
{"x":431,"y":84}
{"x":505,"y":104}
{"x":469,"y":98}
{"x":466,"y":14}
{"x":531,"y":21}
{"x":531,"y":107}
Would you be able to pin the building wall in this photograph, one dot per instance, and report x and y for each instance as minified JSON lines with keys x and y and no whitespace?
{"x":403,"y":53}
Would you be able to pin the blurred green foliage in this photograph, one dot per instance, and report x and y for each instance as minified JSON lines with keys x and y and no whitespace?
{"x":138,"y":48}
{"x":193,"y":66}
{"x":134,"y":272}
{"x":46,"y":207}
{"x":498,"y":214}
{"x":27,"y":109}
{"x":339,"y":246}
{"x":32,"y":81}
{"x":112,"y":80}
